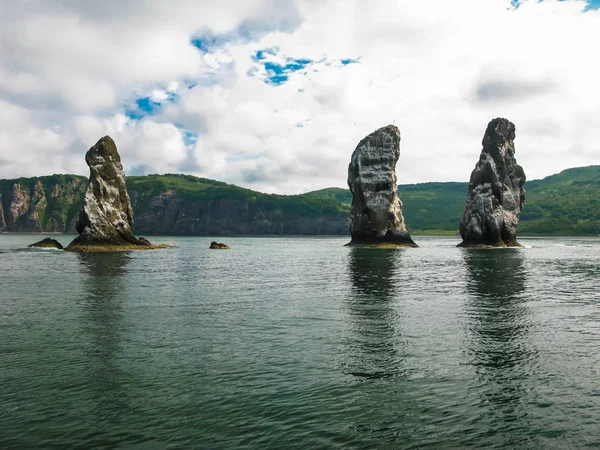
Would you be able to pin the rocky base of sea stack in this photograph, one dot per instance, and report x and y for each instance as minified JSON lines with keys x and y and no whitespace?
{"x":389,"y":240}
{"x":90,"y":246}
{"x":514,"y":244}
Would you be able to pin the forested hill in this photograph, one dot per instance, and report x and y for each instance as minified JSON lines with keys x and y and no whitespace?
{"x":564,"y":204}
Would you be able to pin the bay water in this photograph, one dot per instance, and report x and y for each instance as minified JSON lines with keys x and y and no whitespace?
{"x":300,"y":342}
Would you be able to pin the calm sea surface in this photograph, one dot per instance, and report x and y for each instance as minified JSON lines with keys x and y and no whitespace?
{"x":300,"y":343}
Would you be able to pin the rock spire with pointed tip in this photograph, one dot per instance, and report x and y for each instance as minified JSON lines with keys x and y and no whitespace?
{"x":496,"y":195}
{"x":376,"y":218}
{"x":106,"y":216}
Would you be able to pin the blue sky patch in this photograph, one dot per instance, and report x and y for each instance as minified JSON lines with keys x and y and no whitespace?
{"x":592,"y":5}
{"x":189,"y":138}
{"x":279,"y":73}
{"x":278,"y":70}
{"x":145,"y":106}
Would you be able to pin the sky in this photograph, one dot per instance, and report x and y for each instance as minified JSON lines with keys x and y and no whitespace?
{"x":275,"y":95}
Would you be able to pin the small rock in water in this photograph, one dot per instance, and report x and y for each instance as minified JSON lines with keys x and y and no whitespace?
{"x":47,"y":243}
{"x":376,"y":219}
{"x":218,"y":245}
{"x":496,"y":193}
{"x":143,"y":241}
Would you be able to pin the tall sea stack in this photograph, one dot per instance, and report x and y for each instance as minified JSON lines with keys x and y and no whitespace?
{"x":376,"y":219}
{"x":496,"y":193}
{"x":106,"y":217}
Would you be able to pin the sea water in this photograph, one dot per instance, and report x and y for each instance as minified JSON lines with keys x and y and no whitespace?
{"x":300,"y":343}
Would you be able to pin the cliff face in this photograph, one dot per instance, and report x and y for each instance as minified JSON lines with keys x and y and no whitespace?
{"x":40,"y":204}
{"x":2,"y":221}
{"x":52,"y":204}
{"x":172,"y":213}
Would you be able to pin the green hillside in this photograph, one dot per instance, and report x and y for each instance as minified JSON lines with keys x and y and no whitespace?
{"x":564,"y":204}
{"x":203,"y":189}
{"x":58,"y":201}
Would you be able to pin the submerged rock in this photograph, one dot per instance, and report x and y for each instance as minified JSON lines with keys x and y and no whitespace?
{"x":47,"y":243}
{"x":218,"y":246}
{"x":106,"y":217}
{"x":496,"y":193}
{"x":376,"y":218}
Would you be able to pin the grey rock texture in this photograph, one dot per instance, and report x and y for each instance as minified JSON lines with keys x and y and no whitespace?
{"x":161,"y":212}
{"x":37,"y":204}
{"x":48,"y":203}
{"x":18,"y":206}
{"x":106,"y":216}
{"x":496,"y":195}
{"x":376,"y":217}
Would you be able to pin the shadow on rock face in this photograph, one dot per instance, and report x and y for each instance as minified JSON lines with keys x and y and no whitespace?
{"x":376,"y":217}
{"x":496,"y":195}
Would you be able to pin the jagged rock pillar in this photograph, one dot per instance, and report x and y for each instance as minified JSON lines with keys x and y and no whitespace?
{"x":376,"y":219}
{"x":106,"y":216}
{"x":496,"y":195}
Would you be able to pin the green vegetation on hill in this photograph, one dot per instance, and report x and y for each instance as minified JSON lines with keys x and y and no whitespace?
{"x":564,"y":204}
{"x":63,"y":195}
{"x":203,"y":189}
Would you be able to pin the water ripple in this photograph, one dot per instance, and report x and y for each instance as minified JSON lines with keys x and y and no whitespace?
{"x":301,"y":343}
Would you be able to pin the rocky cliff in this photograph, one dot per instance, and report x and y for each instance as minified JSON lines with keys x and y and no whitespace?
{"x":376,"y":216}
{"x":173,"y":212}
{"x":171,"y":205}
{"x":496,"y":194}
{"x":40,"y":204}
{"x":564,"y":204}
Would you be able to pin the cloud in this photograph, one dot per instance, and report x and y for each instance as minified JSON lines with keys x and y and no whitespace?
{"x":502,"y":90}
{"x":276,"y":96}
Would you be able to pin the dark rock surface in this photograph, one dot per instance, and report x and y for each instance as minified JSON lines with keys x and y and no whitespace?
{"x":218,"y":245}
{"x":376,"y":218}
{"x":496,"y":193}
{"x":106,"y":216}
{"x":47,"y":243}
{"x":2,"y":221}
{"x":170,"y":212}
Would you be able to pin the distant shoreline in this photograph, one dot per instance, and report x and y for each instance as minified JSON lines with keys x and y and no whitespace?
{"x":230,"y":236}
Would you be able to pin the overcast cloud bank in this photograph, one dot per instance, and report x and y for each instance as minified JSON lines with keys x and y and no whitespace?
{"x":275,"y":98}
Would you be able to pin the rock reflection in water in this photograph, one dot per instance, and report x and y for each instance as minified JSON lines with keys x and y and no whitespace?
{"x":103,"y":321}
{"x":498,"y":318}
{"x":499,"y":342}
{"x":375,"y":340}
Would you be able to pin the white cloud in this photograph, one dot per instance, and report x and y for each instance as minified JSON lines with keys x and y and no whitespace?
{"x":439,"y":70}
